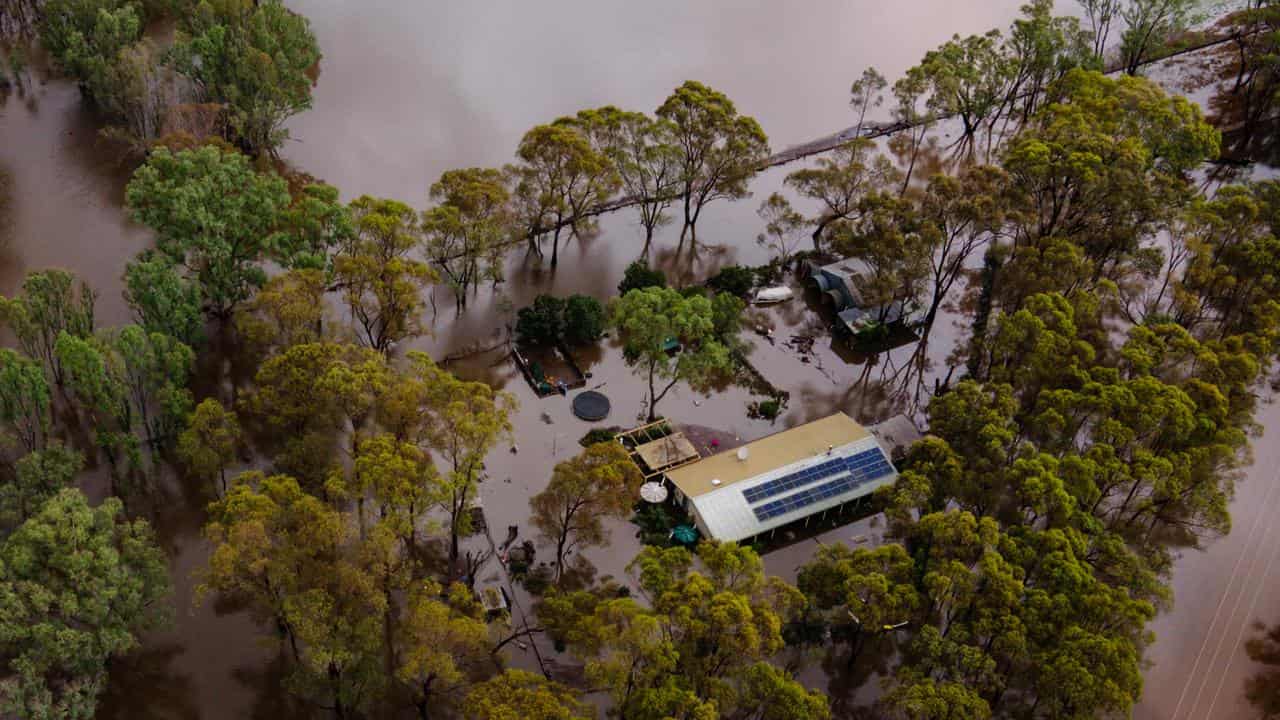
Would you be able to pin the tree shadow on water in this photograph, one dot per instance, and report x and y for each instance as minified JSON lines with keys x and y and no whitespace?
{"x":144,"y":686}
{"x":1262,"y":689}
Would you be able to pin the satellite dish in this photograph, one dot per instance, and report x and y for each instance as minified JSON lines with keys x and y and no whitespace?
{"x":742,"y":453}
{"x":715,"y":481}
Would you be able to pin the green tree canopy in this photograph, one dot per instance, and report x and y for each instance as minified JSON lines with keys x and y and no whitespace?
{"x":562,"y":178}
{"x":719,"y":149}
{"x":699,"y":648}
{"x":214,"y":216}
{"x":51,"y":303}
{"x":253,"y":56}
{"x":163,"y":300}
{"x":598,"y":483}
{"x":79,"y":585}
{"x":381,"y":281}
{"x":520,"y":695}
{"x":466,"y":232}
{"x":649,"y":320}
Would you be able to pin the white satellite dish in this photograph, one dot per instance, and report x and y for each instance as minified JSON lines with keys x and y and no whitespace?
{"x":742,"y":453}
{"x":715,"y":481}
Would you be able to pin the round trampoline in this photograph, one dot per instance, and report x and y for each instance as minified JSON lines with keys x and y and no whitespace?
{"x":591,"y":406}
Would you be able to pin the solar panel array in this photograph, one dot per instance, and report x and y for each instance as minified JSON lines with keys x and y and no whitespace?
{"x":794,"y":480}
{"x":862,"y":468}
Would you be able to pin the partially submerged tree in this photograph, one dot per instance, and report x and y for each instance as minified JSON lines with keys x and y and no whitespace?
{"x":210,"y":443}
{"x":51,"y":304}
{"x":701,"y":645}
{"x":270,"y":542}
{"x":598,"y":483}
{"x":563,"y":178}
{"x":256,"y":59}
{"x":720,"y":150}
{"x":520,"y":695}
{"x":654,"y":320}
{"x":38,"y":476}
{"x":782,"y":227}
{"x":643,"y":153}
{"x":866,"y":93}
{"x":839,"y":180}
{"x":25,"y":402}
{"x":1149,"y":26}
{"x":380,"y":279}
{"x":214,"y":216}
{"x":163,"y":300}
{"x":466,"y":231}
{"x":542,"y":322}
{"x":79,"y":586}
{"x":459,"y":422}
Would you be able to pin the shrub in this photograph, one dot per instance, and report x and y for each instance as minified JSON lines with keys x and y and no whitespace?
{"x":583,"y":319}
{"x":769,"y":409}
{"x":598,"y":435}
{"x":542,"y":322}
{"x":733,"y":279}
{"x":639,"y":276}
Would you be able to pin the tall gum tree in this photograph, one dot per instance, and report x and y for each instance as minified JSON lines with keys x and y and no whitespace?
{"x":720,"y":150}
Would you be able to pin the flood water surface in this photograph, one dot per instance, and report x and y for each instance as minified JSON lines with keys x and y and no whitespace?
{"x":408,"y":90}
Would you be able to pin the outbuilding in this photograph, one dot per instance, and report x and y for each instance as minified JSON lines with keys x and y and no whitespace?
{"x":782,"y":478}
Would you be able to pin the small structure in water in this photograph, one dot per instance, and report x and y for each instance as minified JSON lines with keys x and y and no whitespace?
{"x":656,"y":448}
{"x":549,"y":371}
{"x":772,"y":295}
{"x":841,"y":286}
{"x":591,"y":406}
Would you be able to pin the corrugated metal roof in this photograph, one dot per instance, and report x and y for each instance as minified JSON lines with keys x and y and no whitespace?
{"x":766,"y":454}
{"x":727,"y":516}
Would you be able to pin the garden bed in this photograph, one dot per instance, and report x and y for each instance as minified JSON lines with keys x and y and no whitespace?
{"x":549,"y":370}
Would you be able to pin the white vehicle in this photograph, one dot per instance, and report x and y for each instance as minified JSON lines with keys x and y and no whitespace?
{"x":771,"y":295}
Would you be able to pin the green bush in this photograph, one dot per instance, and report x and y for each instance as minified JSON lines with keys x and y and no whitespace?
{"x":639,"y":276}
{"x":769,"y":409}
{"x":583,"y":319}
{"x":733,"y":279}
{"x":542,"y":322}
{"x":598,"y":435}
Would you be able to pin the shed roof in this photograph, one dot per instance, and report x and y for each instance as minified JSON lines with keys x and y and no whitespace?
{"x":767,"y":453}
{"x":665,"y":452}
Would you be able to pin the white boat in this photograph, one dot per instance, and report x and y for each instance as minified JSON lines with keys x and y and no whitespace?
{"x":771,"y":295}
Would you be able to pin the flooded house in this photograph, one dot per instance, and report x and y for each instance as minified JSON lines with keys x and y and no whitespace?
{"x":840,"y":284}
{"x":783,"y":478}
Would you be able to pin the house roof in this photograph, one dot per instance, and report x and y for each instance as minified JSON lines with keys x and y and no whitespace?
{"x":795,"y":491}
{"x":767,"y":454}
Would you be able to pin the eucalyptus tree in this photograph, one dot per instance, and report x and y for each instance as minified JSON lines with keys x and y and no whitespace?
{"x":720,"y":150}
{"x":465,"y":233}
{"x":79,"y":586}
{"x":52,"y":302}
{"x":644,"y":154}
{"x":381,"y":280}
{"x":866,"y":93}
{"x":214,"y":216}
{"x":649,"y":319}
{"x":1149,"y":27}
{"x":562,"y":178}
{"x":839,"y":180}
{"x":256,"y":59}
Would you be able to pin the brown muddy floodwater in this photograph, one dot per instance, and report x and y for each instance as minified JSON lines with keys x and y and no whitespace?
{"x":408,"y":90}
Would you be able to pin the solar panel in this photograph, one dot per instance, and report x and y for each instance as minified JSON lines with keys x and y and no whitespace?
{"x":869,"y":463}
{"x":791,"y":481}
{"x":803,"y":498}
{"x":862,"y":468}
